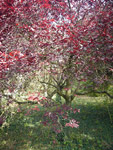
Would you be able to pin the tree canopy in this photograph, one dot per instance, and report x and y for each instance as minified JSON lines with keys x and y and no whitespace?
{"x":66,"y":44}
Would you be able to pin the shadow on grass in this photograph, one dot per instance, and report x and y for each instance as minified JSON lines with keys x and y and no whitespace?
{"x":24,"y":133}
{"x":94,"y":133}
{"x":96,"y":126}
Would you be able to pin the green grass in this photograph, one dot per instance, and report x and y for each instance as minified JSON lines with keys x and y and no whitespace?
{"x":94,"y":133}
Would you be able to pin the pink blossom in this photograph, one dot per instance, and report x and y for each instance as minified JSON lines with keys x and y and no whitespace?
{"x":31,"y":97}
{"x":54,"y":142}
{"x":18,"y":110}
{"x":66,"y":89}
{"x":36,"y":98}
{"x":73,"y":124}
{"x":76,"y":110}
{"x":44,"y":98}
{"x":65,"y":117}
{"x":58,"y":131}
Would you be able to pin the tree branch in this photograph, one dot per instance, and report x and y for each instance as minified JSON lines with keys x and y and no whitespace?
{"x":69,"y":4}
{"x":104,"y":92}
{"x":98,"y":92}
{"x":47,"y":83}
{"x":18,"y":102}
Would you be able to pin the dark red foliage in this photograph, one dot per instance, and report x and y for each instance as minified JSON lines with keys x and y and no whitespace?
{"x":77,"y":36}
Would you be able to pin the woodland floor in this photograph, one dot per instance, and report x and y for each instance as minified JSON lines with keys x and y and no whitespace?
{"x":94,"y":133}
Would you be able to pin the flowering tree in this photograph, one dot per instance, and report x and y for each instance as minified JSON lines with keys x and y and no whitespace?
{"x":67,"y":44}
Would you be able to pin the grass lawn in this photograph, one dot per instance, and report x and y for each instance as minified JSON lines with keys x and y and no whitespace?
{"x":95,"y":130}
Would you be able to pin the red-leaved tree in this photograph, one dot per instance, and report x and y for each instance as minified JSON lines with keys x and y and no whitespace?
{"x":66,"y":44}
